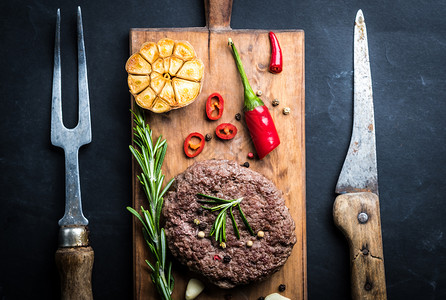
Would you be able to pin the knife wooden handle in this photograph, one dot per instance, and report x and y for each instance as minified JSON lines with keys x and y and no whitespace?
{"x":218,"y":14}
{"x":357,"y":216}
{"x":75,"y":265}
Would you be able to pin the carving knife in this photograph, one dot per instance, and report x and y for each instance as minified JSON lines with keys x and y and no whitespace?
{"x":356,"y":209}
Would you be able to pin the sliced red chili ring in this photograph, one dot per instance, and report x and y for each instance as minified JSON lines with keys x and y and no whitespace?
{"x":214,"y":106}
{"x":226,"y":131}
{"x":193,"y":144}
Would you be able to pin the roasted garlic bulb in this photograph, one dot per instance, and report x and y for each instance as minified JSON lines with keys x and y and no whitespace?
{"x":165,"y":75}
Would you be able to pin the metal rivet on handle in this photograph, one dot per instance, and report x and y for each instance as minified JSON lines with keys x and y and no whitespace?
{"x":363,"y":218}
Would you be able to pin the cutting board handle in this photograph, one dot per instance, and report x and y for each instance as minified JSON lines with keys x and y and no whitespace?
{"x":218,"y":14}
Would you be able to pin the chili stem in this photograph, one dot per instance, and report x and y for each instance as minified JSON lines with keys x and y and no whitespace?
{"x":251,"y":99}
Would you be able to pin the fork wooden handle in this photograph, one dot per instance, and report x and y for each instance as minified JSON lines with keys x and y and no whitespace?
{"x":75,"y":265}
{"x":74,"y":259}
{"x":357,"y":216}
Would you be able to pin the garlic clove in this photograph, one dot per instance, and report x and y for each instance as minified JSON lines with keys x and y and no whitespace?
{"x":276,"y":296}
{"x":165,"y":47}
{"x":157,"y":82}
{"x":145,"y":98}
{"x":149,"y":51}
{"x":194,"y":288}
{"x":158,"y":66}
{"x":160,"y":106}
{"x":138,"y":83}
{"x":137,"y":65}
{"x":192,"y":70}
{"x":185,"y":91}
{"x":184,"y":50}
{"x":167,"y":94}
{"x":175,"y":65}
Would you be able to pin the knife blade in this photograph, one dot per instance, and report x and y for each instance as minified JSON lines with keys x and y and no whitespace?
{"x":356,"y":210}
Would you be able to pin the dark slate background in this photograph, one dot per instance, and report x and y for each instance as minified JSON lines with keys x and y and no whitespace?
{"x":407,"y":42}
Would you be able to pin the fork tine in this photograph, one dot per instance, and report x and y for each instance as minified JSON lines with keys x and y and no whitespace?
{"x":84,"y":102}
{"x":56,"y":110}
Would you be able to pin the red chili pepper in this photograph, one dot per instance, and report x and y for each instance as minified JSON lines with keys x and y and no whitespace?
{"x":258,"y":119}
{"x":191,"y":147}
{"x":275,"y":65}
{"x":226,"y":131}
{"x":263,"y":132}
{"x":214,"y":106}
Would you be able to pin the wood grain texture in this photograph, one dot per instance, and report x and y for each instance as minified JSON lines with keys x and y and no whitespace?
{"x":218,"y":14}
{"x":75,"y":266}
{"x":365,"y":242}
{"x":285,"y":166}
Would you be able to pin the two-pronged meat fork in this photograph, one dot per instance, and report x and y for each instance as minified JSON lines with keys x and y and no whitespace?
{"x":74,"y":256}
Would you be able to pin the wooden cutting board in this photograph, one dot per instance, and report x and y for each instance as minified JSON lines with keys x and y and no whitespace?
{"x":285,"y":166}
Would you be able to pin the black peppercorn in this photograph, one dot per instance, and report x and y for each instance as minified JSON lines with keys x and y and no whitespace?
{"x":261,"y":298}
{"x":238,"y":116}
{"x":282,"y":287}
{"x":226,"y":259}
{"x":246,"y":164}
{"x":208,"y":137}
{"x":202,"y":226}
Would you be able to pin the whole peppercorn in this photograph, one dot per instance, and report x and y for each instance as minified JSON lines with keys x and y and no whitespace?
{"x":223,"y":245}
{"x":260,"y":234}
{"x":286,"y":110}
{"x":282,"y":288}
{"x":208,"y":137}
{"x":249,"y":244}
{"x":238,"y":116}
{"x":250,"y":155}
{"x":196,"y":222}
{"x":202,"y":226}
{"x":226,"y":259}
{"x":261,"y":298}
{"x":259,"y":93}
{"x":199,"y":210}
{"x":246,"y":164}
{"x":275,"y":102}
{"x":200,"y":234}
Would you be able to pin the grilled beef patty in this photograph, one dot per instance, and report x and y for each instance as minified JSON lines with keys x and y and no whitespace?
{"x":263,"y":206}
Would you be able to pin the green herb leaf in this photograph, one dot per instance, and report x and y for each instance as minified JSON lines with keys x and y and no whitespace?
{"x":245,"y":221}
{"x":150,"y":158}
{"x":234,"y":224}
{"x":214,"y":198}
{"x":219,"y":227}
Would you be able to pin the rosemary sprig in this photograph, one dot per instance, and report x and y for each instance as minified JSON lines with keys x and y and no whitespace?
{"x":150,"y":158}
{"x":219,"y":227}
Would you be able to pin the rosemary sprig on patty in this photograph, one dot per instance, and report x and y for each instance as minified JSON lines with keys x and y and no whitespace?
{"x":219,"y":227}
